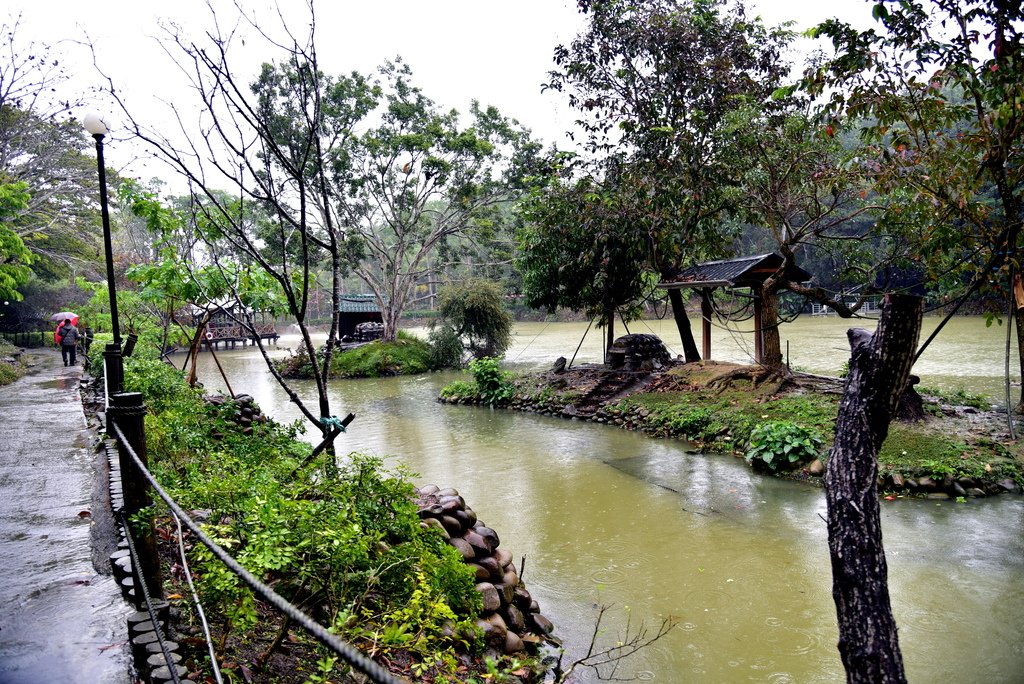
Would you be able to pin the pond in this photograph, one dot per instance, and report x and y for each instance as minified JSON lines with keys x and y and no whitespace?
{"x":605,"y":517}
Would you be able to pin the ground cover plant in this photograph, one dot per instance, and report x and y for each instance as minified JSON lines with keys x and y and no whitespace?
{"x":341,"y":540}
{"x":10,"y":368}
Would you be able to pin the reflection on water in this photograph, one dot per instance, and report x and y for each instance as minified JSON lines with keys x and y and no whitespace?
{"x":606,"y":517}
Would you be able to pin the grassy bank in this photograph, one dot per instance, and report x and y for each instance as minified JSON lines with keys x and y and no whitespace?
{"x":12,"y":366}
{"x":342,"y":540}
{"x":785,"y":428}
{"x":407,"y":355}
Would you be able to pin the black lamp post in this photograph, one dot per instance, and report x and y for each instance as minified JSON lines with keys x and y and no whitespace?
{"x":97,"y":128}
{"x":113,"y":362}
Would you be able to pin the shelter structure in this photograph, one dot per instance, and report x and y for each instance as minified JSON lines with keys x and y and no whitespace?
{"x":223,"y":325}
{"x":749,"y":272}
{"x":354,"y":309}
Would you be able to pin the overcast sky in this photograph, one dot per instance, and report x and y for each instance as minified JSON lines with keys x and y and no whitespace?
{"x":459,"y":50}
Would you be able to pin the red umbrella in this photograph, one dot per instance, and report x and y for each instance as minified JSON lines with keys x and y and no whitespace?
{"x":65,"y":315}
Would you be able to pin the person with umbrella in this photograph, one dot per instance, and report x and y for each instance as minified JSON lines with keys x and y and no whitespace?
{"x":67,"y":336}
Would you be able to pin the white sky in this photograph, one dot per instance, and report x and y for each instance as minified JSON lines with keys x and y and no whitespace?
{"x":459,"y":50}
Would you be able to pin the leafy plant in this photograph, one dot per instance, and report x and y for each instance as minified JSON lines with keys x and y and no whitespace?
{"x":491,"y":381}
{"x":779,"y":444}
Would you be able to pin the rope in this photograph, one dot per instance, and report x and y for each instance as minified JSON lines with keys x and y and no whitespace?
{"x":532,"y":341}
{"x":348,"y":653}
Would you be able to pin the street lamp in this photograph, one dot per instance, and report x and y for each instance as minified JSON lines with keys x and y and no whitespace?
{"x":97,"y":128}
{"x":113,"y":362}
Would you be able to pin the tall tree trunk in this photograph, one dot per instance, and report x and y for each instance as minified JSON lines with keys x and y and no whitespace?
{"x":771,"y":344}
{"x":690,"y":352}
{"x":879,"y":368}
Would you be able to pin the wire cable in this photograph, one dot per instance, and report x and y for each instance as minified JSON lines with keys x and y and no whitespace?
{"x":198,"y":604}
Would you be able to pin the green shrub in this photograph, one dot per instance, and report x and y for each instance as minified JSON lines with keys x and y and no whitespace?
{"x":781,"y":444}
{"x":492,"y":383}
{"x":445,"y":348}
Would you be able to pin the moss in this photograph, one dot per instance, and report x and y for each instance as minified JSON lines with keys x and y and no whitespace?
{"x":408,"y":355}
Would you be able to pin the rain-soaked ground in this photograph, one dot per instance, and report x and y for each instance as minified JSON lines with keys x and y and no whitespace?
{"x":62,"y":616}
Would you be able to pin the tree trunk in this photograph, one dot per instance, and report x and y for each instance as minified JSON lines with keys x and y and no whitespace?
{"x":690,"y":352}
{"x":771,"y":345}
{"x":879,"y":368}
{"x":609,"y":333}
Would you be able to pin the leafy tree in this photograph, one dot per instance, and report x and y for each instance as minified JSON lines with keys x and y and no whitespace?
{"x":583,"y":249}
{"x":473,"y":312}
{"x":420,"y":180}
{"x":805,"y":192}
{"x":655,"y":82}
{"x":14,"y":255}
{"x":938,"y":86}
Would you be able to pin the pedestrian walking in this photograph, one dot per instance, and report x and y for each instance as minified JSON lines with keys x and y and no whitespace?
{"x":67,"y":337}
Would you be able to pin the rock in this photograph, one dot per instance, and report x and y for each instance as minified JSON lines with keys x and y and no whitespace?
{"x":513,"y":644}
{"x":427,"y":490}
{"x":1007,"y":485}
{"x":489,"y":594}
{"x":541,"y":623}
{"x":492,"y":567}
{"x":898,"y":482}
{"x":927,"y":484}
{"x":436,"y":524}
{"x":491,"y":633}
{"x":975,"y":492}
{"x":451,"y":524}
{"x":515,"y":618}
{"x":478,"y":543}
{"x":447,"y":492}
{"x":510,"y":578}
{"x":463,"y":547}
{"x":958,"y":490}
{"x":522,"y":598}
{"x":434,"y":510}
{"x":816,"y":468}
{"x":967,"y":482}
{"x":559,"y":366}
{"x":489,"y":535}
{"x":451,"y":503}
{"x":505,"y":592}
{"x":503,"y":556}
{"x":911,"y":484}
{"x":481,"y":572}
{"x":938,"y":496}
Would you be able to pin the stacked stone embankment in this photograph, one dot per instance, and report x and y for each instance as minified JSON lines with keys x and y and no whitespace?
{"x":511,"y":618}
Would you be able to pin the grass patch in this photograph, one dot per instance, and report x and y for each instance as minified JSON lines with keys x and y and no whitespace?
{"x":407,"y":355}
{"x":10,"y":370}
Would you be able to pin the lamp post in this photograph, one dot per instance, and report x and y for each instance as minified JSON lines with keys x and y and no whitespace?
{"x":112,"y":361}
{"x":98,"y":129}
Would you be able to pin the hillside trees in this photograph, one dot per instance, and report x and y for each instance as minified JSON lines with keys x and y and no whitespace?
{"x":654,"y":83}
{"x":939,"y":86}
{"x":42,"y":147}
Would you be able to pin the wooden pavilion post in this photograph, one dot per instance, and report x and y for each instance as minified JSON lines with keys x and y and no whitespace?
{"x":758,"y":331}
{"x":705,"y":315}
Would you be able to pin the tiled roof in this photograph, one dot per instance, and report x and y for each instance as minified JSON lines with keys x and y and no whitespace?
{"x":358,"y":303}
{"x":739,"y":272}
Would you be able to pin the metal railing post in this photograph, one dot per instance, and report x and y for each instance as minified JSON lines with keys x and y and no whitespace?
{"x":128,"y":413}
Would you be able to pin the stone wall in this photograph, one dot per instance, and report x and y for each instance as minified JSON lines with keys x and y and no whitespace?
{"x":511,"y":620}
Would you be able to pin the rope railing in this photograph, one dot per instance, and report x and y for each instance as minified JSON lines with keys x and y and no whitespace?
{"x":348,"y":653}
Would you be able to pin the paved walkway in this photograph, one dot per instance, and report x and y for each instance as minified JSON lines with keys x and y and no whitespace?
{"x":62,"y":617}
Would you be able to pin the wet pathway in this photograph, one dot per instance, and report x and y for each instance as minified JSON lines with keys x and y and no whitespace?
{"x":61,"y":619}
